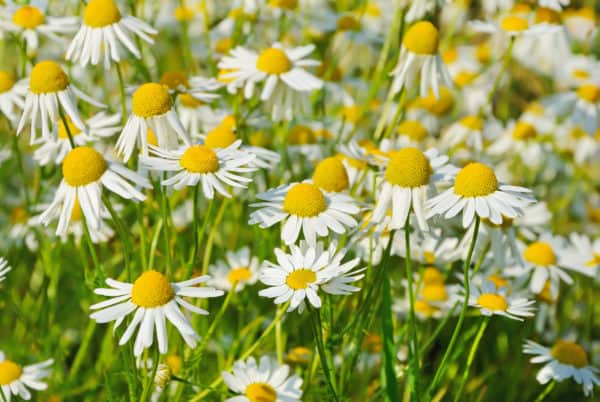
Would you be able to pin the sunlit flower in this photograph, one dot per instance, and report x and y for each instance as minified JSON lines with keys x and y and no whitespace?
{"x":12,"y":94}
{"x":493,"y":301}
{"x":238,"y":269}
{"x":16,"y":379}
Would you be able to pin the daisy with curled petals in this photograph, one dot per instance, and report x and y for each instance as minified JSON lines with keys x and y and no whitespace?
{"x":213,"y":168}
{"x":304,"y":206}
{"x":477,"y":192}
{"x":152,"y":299}
{"x":16,"y":379}
{"x":85,"y":174}
{"x":286,"y":82}
{"x":491,"y":300}
{"x":239,"y":269}
{"x":266,"y":382}
{"x":103,"y":31}
{"x":12,"y":94}
{"x":419,"y":54}
{"x":4,"y":269}
{"x":565,"y":359}
{"x":308,"y":269}
{"x":407,"y":180}
{"x":152,"y":108}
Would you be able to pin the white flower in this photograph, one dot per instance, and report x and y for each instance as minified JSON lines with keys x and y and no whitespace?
{"x":491,"y":300}
{"x":239,"y":269}
{"x":12,"y":94}
{"x":4,"y":269}
{"x":16,"y":379}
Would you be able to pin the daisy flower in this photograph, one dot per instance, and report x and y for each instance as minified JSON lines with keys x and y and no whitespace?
{"x":472,"y":131}
{"x":286,"y":82}
{"x":419,"y":54}
{"x":85,"y":174}
{"x":152,"y":108}
{"x":12,"y":94}
{"x":331,"y":175}
{"x":584,"y":255}
{"x":308,"y":269}
{"x":406,"y":183}
{"x":477,"y":192}
{"x":563,"y":360}
{"x":153,"y":298}
{"x":49,"y":89}
{"x":304,"y":206}
{"x":581,"y":23}
{"x":522,"y":138}
{"x":194,"y":164}
{"x":16,"y":379}
{"x":239,"y":269}
{"x":268,"y":381}
{"x":420,"y":8}
{"x":4,"y":269}
{"x":491,"y":300}
{"x":103,"y":31}
{"x":512,"y":25}
{"x":582,"y":106}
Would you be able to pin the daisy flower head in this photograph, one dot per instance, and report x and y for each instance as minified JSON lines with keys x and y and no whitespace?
{"x":581,"y":23}
{"x":152,"y":299}
{"x":419,"y":54}
{"x":304,"y":206}
{"x":493,"y":300}
{"x":152,"y":108}
{"x":330,"y":175}
{"x":307,"y":270}
{"x":472,"y":131}
{"x":267,"y":381}
{"x":584,"y":255}
{"x":85,"y":175}
{"x":12,"y":94}
{"x":565,"y":359}
{"x":4,"y":269}
{"x":50,"y":89}
{"x":238,"y":269}
{"x":286,"y":81}
{"x":103,"y":33}
{"x":477,"y":192}
{"x":513,"y":25}
{"x":522,"y":137}
{"x":194,"y":164}
{"x":16,"y":379}
{"x":582,"y":106}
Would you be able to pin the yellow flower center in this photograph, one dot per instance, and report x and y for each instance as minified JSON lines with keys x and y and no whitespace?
{"x":188,"y":100}
{"x":152,"y":289}
{"x":540,"y":253}
{"x":304,"y":200}
{"x":347,"y":23}
{"x":101,"y":13}
{"x":239,"y":274}
{"x":261,"y":392}
{"x":483,"y":53}
{"x":9,"y":372}
{"x":200,"y":159}
{"x":450,"y":55}
{"x":184,"y":13}
{"x":438,"y":106}
{"x":422,"y":38}
{"x":413,"y":129}
{"x":47,"y":76}
{"x":408,"y":167}
{"x":579,"y":73}
{"x":175,"y":79}
{"x":475,"y":180}
{"x":221,"y":136}
{"x":223,"y":45}
{"x":352,"y":114}
{"x":434,"y":292}
{"x":174,"y":362}
{"x":330,"y":175}
{"x":300,"y":278}
{"x":513,"y":23}
{"x":474,"y":123}
{"x":432,"y":276}
{"x":424,"y":308}
{"x":544,"y":14}
{"x":82,"y":166}
{"x":569,"y":353}
{"x":589,"y":92}
{"x":18,"y":215}
{"x":273,"y":61}
{"x":28,"y":17}
{"x":594,"y":261}
{"x":464,"y":78}
{"x":535,"y":108}
{"x":301,"y":135}
{"x":299,"y":354}
{"x":493,"y":302}
{"x":524,"y":131}
{"x":6,"y":81}
{"x":285,"y":4}
{"x":151,"y":99}
{"x":498,"y":281}
{"x":62,"y":129}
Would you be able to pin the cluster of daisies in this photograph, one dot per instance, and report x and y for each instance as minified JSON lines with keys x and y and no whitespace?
{"x":408,"y":161}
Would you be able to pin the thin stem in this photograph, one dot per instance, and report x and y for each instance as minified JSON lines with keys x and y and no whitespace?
{"x":67,"y":128}
{"x":413,"y":373}
{"x":150,"y":380}
{"x":164,"y":206}
{"x":506,"y":61}
{"x":88,"y":239}
{"x":122,"y":93}
{"x":329,"y":375}
{"x":546,"y":391}
{"x":387,"y":327}
{"x":211,"y":236}
{"x":123,"y":234}
{"x":194,"y":252}
{"x":82,"y":351}
{"x":474,"y":346}
{"x":21,"y":167}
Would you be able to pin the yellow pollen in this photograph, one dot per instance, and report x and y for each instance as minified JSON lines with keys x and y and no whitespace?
{"x":544,"y":14}
{"x":304,"y":200}
{"x":221,"y":136}
{"x":474,"y":123}
{"x":330,"y":175}
{"x":174,"y":79}
{"x":408,"y":167}
{"x":569,"y":353}
{"x":152,"y":289}
{"x":514,"y":23}
{"x":6,"y":81}
{"x":200,"y":159}
{"x":299,"y":355}
{"x":589,"y":92}
{"x":301,"y":135}
{"x":151,"y":100}
{"x":261,"y":392}
{"x":432,"y":276}
{"x":352,"y":114}
{"x":285,"y":4}
{"x":188,"y":100}
{"x":413,"y":129}
{"x":540,"y":253}
{"x":422,"y":38}
{"x":62,"y":130}
{"x":47,"y":76}
{"x":174,"y":363}
{"x":184,"y":13}
{"x":347,"y":23}
{"x":28,"y":17}
{"x":438,"y":106}
{"x":223,"y":45}
{"x":239,"y":275}
{"x":101,"y":13}
{"x":450,"y":55}
{"x":300,"y":278}
{"x":18,"y":215}
{"x":594,"y":261}
{"x":498,"y":281}
{"x":424,"y":308}
{"x":82,"y":166}
{"x":492,"y":301}
{"x":434,"y":292}
{"x":273,"y":61}
{"x":579,"y":73}
{"x":9,"y":372}
{"x":524,"y":131}
{"x":475,"y":180}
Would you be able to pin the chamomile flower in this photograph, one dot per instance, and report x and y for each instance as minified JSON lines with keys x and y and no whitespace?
{"x":477,"y":192}
{"x":239,"y":269}
{"x":511,"y":26}
{"x":103,"y":33}
{"x":584,"y":256}
{"x":12,"y":94}
{"x":521,"y":137}
{"x":152,"y":108}
{"x":85,"y":174}
{"x":199,"y":164}
{"x":582,"y":106}
{"x":16,"y":379}
{"x":471,"y":131}
{"x":491,"y":300}
{"x":153,"y":299}
{"x":303,"y":206}
{"x":50,"y":89}
{"x":581,"y":23}
{"x":266,"y":381}
{"x":419,"y":54}
{"x":4,"y":269}
{"x":565,"y":359}
{"x":307,"y":270}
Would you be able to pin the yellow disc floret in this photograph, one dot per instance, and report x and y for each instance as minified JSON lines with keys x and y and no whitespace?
{"x":28,"y":17}
{"x":475,"y":180}
{"x":152,"y":289}
{"x":569,"y":353}
{"x":524,"y":131}
{"x":301,"y":135}
{"x":221,"y":136}
{"x":305,"y":200}
{"x":273,"y":61}
{"x":413,"y":129}
{"x":175,"y":79}
{"x":474,"y":123}
{"x":330,"y":175}
{"x":6,"y":81}
{"x":492,"y":301}
{"x":408,"y":167}
{"x":432,"y":276}
{"x":82,"y":166}
{"x":422,"y":38}
{"x":434,"y":292}
{"x":261,"y":392}
{"x":47,"y":76}
{"x":540,"y":253}
{"x":9,"y":372}
{"x":239,"y":274}
{"x":589,"y":93}
{"x":299,"y":355}
{"x":300,"y":278}
{"x":513,"y":23}
{"x":200,"y":159}
{"x":151,"y":100}
{"x":101,"y":13}
{"x":424,"y":308}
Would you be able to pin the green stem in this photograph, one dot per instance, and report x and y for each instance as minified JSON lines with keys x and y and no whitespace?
{"x":212,"y":234}
{"x":122,"y":93}
{"x":88,"y":239}
{"x":21,"y":167}
{"x":194,"y":252}
{"x":413,"y":373}
{"x":329,"y":374}
{"x":546,"y":391}
{"x":506,"y":61}
{"x":474,"y":346}
{"x":150,"y":380}
{"x":67,"y":128}
{"x":82,"y":351}
{"x":123,"y":234}
{"x":164,"y":207}
{"x":387,"y":327}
